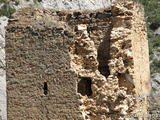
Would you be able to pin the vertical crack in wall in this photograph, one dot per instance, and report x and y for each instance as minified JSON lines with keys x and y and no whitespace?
{"x":107,"y":85}
{"x":113,"y":77}
{"x":103,"y":54}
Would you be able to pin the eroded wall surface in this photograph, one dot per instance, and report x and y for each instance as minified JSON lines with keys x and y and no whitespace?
{"x":77,"y":64}
{"x":38,"y":55}
{"x":40,"y":84}
{"x":130,"y":56}
{"x":120,"y":87}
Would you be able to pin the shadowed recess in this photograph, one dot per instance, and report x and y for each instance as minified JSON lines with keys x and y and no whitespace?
{"x":45,"y":88}
{"x":84,"y":86}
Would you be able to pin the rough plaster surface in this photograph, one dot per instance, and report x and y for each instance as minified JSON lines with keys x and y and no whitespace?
{"x":3,"y":98}
{"x":63,"y":48}
{"x":37,"y":52}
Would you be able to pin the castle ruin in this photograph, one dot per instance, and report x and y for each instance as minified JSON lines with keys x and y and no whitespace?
{"x":77,"y":64}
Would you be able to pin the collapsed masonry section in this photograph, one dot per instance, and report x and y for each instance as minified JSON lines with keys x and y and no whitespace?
{"x":77,"y":64}
{"x":112,"y":68}
{"x":41,"y":84}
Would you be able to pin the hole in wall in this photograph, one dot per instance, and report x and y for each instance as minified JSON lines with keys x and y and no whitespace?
{"x":45,"y":88}
{"x":84,"y":86}
{"x":88,"y":31}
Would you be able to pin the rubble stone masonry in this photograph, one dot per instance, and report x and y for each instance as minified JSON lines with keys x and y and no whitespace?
{"x":77,"y":65}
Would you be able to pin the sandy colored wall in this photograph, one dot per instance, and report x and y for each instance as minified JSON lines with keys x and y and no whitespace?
{"x":130,"y":52}
{"x":141,"y":58}
{"x":77,"y":64}
{"x":37,"y":46}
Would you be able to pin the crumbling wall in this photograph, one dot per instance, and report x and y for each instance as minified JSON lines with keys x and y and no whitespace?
{"x":40,"y":81}
{"x":130,"y":56}
{"x":115,"y":86}
{"x":77,"y":64}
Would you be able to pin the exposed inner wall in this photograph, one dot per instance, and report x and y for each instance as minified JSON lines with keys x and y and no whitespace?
{"x":75,"y":64}
{"x":135,"y":52}
{"x":116,"y":87}
{"x":89,"y":53}
{"x":84,"y":62}
{"x":130,"y":57}
{"x":41,"y":84}
{"x":122,"y":63}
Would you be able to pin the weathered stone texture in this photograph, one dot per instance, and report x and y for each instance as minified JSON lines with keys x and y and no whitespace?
{"x":77,"y":64}
{"x":37,"y":47}
{"x":129,"y":56}
{"x":37,"y":52}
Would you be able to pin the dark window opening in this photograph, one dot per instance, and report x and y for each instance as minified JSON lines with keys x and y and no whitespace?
{"x":84,"y":86}
{"x":88,"y":31}
{"x":45,"y":88}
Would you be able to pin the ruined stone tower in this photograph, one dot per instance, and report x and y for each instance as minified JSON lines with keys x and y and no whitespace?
{"x":75,"y":65}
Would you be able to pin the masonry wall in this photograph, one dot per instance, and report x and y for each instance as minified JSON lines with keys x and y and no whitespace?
{"x":141,"y":58}
{"x":40,"y":82}
{"x":131,"y":54}
{"x":77,"y":64}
